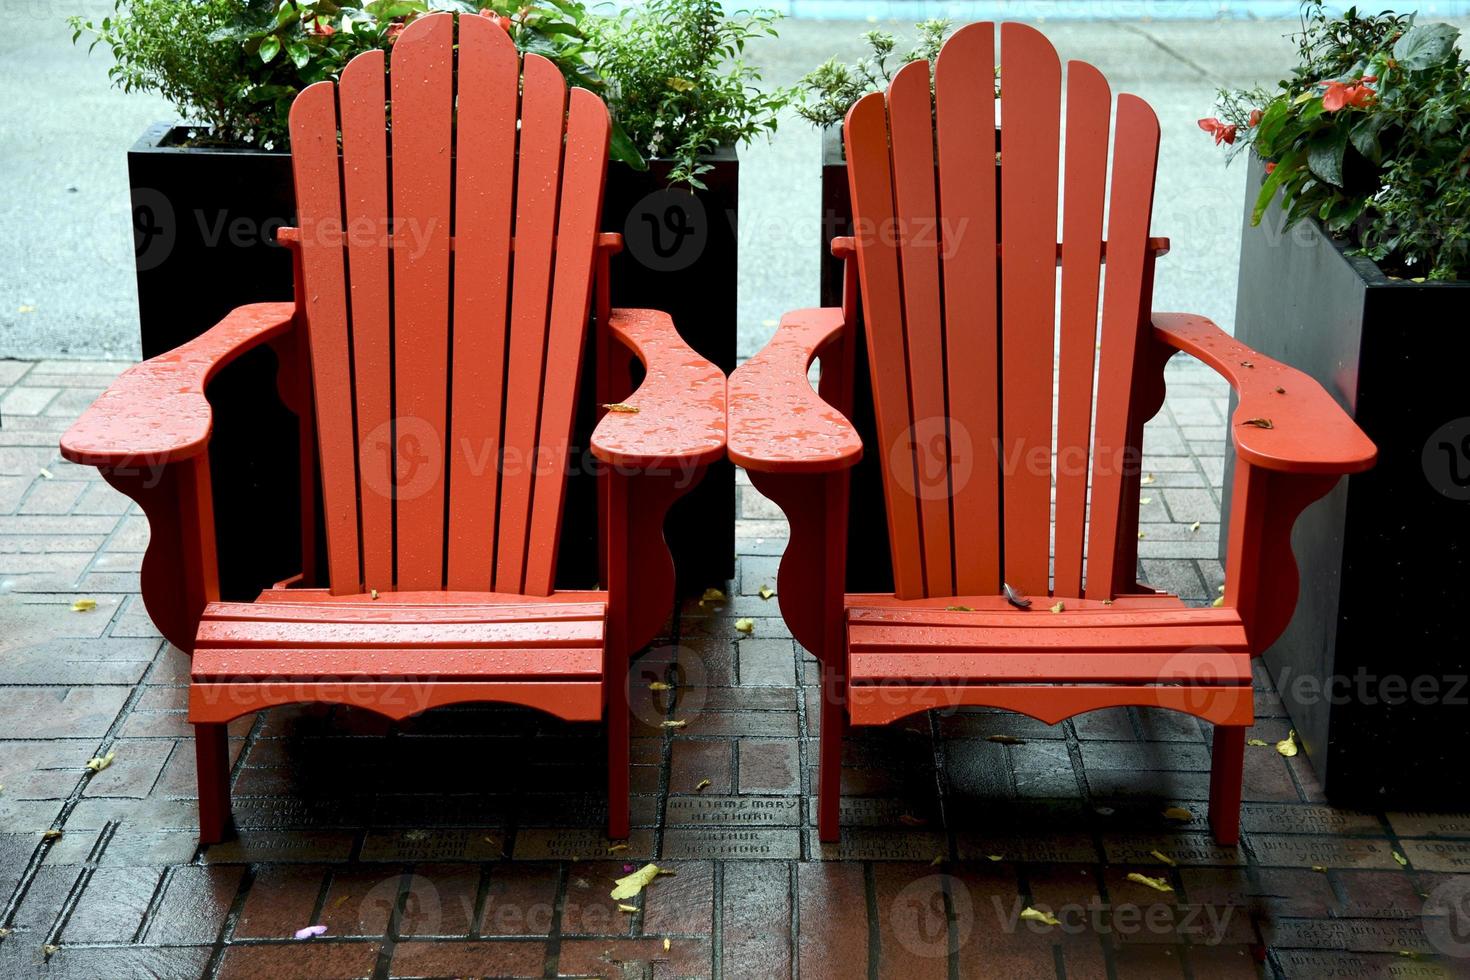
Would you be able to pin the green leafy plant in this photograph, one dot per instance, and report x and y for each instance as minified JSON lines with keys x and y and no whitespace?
{"x":827,"y":92}
{"x":677,"y":83}
{"x":1370,"y":136}
{"x":234,"y":66}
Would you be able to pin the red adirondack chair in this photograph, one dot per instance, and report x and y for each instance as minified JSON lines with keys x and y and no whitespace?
{"x":958,"y":281}
{"x":435,"y":368}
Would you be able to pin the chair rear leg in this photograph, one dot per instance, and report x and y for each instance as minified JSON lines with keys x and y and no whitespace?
{"x":1227,"y":773}
{"x":212,"y":759}
{"x":829,"y":764}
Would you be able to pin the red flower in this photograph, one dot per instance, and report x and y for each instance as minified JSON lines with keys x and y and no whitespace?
{"x":1255,"y":119}
{"x":320,"y":28}
{"x":1223,"y":132}
{"x":1270,"y":167}
{"x":394,"y":29}
{"x":504,"y":23}
{"x":1340,"y":95}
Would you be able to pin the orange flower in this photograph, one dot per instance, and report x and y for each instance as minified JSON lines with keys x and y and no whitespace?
{"x":1255,"y":119}
{"x":1340,"y":95}
{"x":504,"y":23}
{"x":320,"y":28}
{"x":1223,"y":132}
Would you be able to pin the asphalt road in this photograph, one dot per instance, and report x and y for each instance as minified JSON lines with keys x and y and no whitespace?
{"x":66,"y":285}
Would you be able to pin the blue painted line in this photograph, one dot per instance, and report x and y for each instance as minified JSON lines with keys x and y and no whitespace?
{"x":963,"y":11}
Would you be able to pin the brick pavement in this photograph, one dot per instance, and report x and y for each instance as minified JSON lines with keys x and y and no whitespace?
{"x":450,"y":845}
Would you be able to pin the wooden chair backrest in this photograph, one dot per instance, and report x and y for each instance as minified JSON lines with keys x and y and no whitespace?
{"x":446,"y":269}
{"x":960,"y":299}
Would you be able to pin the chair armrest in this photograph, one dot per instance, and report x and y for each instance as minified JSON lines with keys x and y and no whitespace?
{"x":681,"y":403}
{"x":155,"y":412}
{"x":1309,"y":432}
{"x":778,"y":423}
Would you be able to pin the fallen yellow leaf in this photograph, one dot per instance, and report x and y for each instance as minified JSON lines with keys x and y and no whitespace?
{"x":629,"y":886}
{"x":1194,"y":526}
{"x":621,"y":407}
{"x":1220,"y":601}
{"x":1036,"y":915}
{"x":675,"y":723}
{"x":1165,"y":858}
{"x":702,"y":784}
{"x":660,"y":686}
{"x":958,"y":609}
{"x":49,"y":950}
{"x":27,"y":309}
{"x":51,"y":834}
{"x":1287,"y":746}
{"x":84,"y":605}
{"x":1258,"y":742}
{"x":745,"y":625}
{"x":1059,"y":607}
{"x":615,"y":848}
{"x":1148,"y":478}
{"x":712,"y":595}
{"x":667,"y":944}
{"x":1259,"y":423}
{"x":1145,"y":500}
{"x":767,"y":591}
{"x":101,"y":762}
{"x":1157,"y":884}
{"x":1178,"y":813}
{"x":1403,"y":861}
{"x":1319,"y":867}
{"x":46,"y":474}
{"x":995,"y":857}
{"x":375,"y":593}
{"x":630,"y":909}
{"x":938,"y":860}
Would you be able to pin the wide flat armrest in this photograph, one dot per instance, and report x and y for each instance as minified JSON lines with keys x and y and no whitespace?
{"x":778,"y":423}
{"x":680,"y":417}
{"x":1284,"y":420}
{"x":156,"y":412}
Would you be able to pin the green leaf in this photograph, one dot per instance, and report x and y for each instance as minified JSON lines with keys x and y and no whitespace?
{"x":1364,"y":135}
{"x":1271,"y":122}
{"x":1425,"y":45}
{"x":300,"y":53}
{"x":269,"y":48}
{"x":623,"y":149}
{"x":1284,"y":169}
{"x":1324,"y":156}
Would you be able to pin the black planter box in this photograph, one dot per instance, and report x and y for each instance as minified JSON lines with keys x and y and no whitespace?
{"x":1373,"y":668}
{"x":204,"y":226}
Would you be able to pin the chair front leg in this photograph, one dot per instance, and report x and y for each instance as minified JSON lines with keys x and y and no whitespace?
{"x":810,"y":589}
{"x":1227,"y":774}
{"x":180,"y":572}
{"x":212,"y":760}
{"x":640,"y":593}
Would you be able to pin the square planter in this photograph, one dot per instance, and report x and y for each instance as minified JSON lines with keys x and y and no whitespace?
{"x":1374,"y":665}
{"x":204,"y":226}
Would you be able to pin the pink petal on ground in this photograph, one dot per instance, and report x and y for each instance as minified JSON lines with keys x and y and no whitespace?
{"x":310,"y":931}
